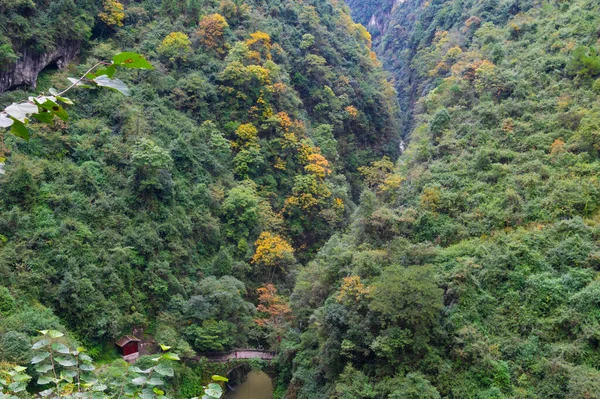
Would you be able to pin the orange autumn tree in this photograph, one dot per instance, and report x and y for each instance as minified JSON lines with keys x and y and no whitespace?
{"x":211,"y":30}
{"x":274,"y":312}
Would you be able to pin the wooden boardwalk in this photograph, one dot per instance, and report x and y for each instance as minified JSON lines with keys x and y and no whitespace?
{"x":223,"y":357}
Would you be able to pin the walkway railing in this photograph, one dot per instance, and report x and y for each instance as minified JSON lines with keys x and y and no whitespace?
{"x":222,"y":357}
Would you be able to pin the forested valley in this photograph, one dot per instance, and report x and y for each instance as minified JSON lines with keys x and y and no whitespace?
{"x":400,"y":198}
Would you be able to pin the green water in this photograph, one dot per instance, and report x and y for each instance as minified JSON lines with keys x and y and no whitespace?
{"x":256,"y":386}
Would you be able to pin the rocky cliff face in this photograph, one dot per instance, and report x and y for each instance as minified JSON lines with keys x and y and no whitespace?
{"x":397,"y":28}
{"x":25,"y":71}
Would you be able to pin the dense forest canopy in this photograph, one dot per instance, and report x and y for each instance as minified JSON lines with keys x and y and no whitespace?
{"x":235,"y":157}
{"x":470,"y":269}
{"x":434,"y":235}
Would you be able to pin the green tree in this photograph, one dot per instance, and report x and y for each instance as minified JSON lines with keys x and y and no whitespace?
{"x":407,"y":296}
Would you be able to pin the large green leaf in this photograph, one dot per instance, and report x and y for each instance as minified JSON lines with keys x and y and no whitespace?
{"x":115,"y":84}
{"x":139,"y":381}
{"x":131,"y":60}
{"x":84,"y":357}
{"x":45,"y":380}
{"x":99,"y":388}
{"x":214,"y":390}
{"x":155,"y":381}
{"x":40,"y":358}
{"x":50,"y":105}
{"x":19,"y":130}
{"x":87,"y":367}
{"x":18,"y":386}
{"x":67,"y":362}
{"x":219,"y":378}
{"x":41,"y":343}
{"x":44,"y":117}
{"x":55,"y":334}
{"x":44,"y":368}
{"x":164,"y":369}
{"x":136,"y":369}
{"x":21,"y":377}
{"x":60,"y":348}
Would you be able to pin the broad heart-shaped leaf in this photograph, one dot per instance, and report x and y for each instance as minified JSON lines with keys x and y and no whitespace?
{"x":19,"y":386}
{"x":147,"y":393}
{"x":164,"y":369}
{"x":18,"y":369}
{"x":60,"y":348}
{"x":139,"y":381}
{"x":41,"y":343}
{"x":21,"y":377}
{"x":159,"y":392}
{"x":131,"y":60}
{"x":215,"y":387}
{"x":40,"y":358}
{"x":136,"y":369}
{"x":87,"y":367}
{"x":214,"y":390}
{"x":67,"y":362}
{"x":99,"y":388}
{"x":47,"y":392}
{"x":44,"y":368}
{"x":155,"y":381}
{"x":84,"y":357}
{"x":164,"y":347}
{"x":44,"y":117}
{"x":115,"y":84}
{"x":20,"y":130}
{"x":219,"y":378}
{"x":21,"y":111}
{"x":51,"y":106}
{"x":68,"y":373}
{"x":5,"y":121}
{"x":45,"y":380}
{"x":55,"y":334}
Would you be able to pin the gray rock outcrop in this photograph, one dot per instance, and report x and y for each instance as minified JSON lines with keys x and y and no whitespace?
{"x":25,"y":71}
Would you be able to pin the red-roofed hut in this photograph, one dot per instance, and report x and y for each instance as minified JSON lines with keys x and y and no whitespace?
{"x":129,"y":347}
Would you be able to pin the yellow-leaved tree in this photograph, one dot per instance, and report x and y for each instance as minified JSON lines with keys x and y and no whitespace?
{"x":211,"y":30}
{"x":112,"y":14}
{"x":272,"y":252}
{"x":175,"y":46}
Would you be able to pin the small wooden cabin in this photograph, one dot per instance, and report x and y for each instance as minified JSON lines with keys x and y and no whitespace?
{"x":129,"y":347}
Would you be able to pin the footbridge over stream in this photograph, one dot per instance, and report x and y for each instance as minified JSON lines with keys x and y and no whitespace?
{"x":236,"y":354}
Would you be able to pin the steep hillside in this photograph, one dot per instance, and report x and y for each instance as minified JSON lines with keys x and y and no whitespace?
{"x":471,"y":268}
{"x":232,"y":160}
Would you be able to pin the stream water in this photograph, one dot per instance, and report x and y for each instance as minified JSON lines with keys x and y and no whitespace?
{"x":257,"y":385}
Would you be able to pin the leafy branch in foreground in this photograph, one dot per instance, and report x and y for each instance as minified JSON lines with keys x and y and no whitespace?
{"x":44,"y":108}
{"x":69,"y":374}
